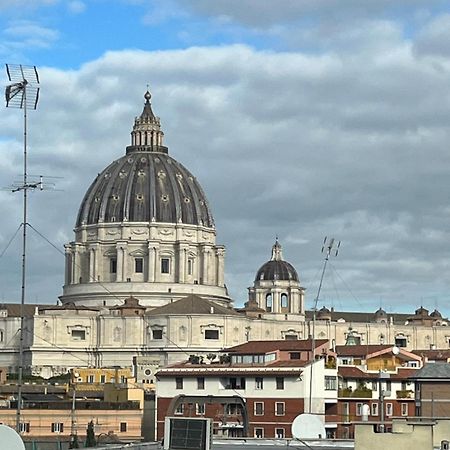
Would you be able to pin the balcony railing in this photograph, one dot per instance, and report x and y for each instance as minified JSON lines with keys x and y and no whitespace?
{"x":357,"y":393}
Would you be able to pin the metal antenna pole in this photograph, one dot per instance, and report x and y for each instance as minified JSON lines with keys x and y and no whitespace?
{"x":328,"y":247}
{"x":16,"y":96}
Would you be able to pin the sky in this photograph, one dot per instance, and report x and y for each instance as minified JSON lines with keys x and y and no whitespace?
{"x":301,"y":119}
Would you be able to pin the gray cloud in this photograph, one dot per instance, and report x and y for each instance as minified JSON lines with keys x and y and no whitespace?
{"x":287,"y":144}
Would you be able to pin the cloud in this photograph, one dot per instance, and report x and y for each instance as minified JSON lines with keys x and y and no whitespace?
{"x":434,"y":38}
{"x":29,"y":34}
{"x":267,"y":13}
{"x":293,"y":144}
{"x":76,"y":7}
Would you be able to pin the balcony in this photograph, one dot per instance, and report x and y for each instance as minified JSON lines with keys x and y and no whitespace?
{"x":357,"y":393}
{"x":406,"y":393}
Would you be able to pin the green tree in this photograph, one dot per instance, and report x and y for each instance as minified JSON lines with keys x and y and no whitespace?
{"x":90,"y":435}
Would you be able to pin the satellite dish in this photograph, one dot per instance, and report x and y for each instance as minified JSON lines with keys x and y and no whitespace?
{"x":10,"y":439}
{"x":395,"y":350}
{"x":308,"y":426}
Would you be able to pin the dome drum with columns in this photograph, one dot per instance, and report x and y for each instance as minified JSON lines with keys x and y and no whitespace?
{"x":144,"y":227}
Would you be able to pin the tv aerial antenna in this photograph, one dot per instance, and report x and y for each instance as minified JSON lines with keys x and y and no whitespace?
{"x":330,"y":247}
{"x":23,"y":93}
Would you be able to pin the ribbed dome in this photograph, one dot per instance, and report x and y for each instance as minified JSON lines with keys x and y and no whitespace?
{"x":145,"y":185}
{"x":276,"y":268}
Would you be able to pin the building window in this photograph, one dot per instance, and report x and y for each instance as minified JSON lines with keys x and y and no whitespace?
{"x":294,"y":355}
{"x":57,"y":427}
{"x":284,"y":301}
{"x":165,"y":265}
{"x":212,"y":334}
{"x":290,"y":337}
{"x":279,"y":409}
{"x":1,"y":336}
{"x":233,"y":409}
{"x":113,"y":265}
{"x":259,"y":383}
{"x":157,"y":334}
{"x":259,"y":433}
{"x":359,"y":409}
{"x":179,"y":383}
{"x":90,"y":379}
{"x":180,"y":409}
{"x":200,"y":409}
{"x":388,"y":409}
{"x":346,"y":411}
{"x":279,"y":382}
{"x":201,"y":383}
{"x":138,"y":265}
{"x":103,"y":379}
{"x":400,"y":341}
{"x":404,"y":408}
{"x":123,"y":427}
{"x":374,"y":409}
{"x":24,"y":427}
{"x":190,"y":266}
{"x":374,"y":385}
{"x":258,"y":408}
{"x":279,"y":433}
{"x":330,"y":383}
{"x":79,"y":335}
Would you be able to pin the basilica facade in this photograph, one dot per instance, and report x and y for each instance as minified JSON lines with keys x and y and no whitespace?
{"x":144,"y":281}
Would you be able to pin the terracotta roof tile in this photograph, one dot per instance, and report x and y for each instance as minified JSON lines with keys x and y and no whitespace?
{"x":262,"y":347}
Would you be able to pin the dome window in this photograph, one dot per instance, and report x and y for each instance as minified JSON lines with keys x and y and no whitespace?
{"x":139,"y":197}
{"x":165,"y":198}
{"x":269,"y":302}
{"x":130,"y":160}
{"x":161,"y":174}
{"x":115,"y":197}
{"x":187,"y":199}
{"x":122,"y":174}
{"x":141,"y":173}
{"x":143,"y":160}
{"x":179,"y":176}
{"x":284,"y":301}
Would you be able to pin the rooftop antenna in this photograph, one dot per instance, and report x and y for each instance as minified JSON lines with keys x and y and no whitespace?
{"x":330,"y":247}
{"x":22,"y":93}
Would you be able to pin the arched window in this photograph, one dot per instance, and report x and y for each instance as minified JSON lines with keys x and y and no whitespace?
{"x":284,"y":301}
{"x":269,"y":302}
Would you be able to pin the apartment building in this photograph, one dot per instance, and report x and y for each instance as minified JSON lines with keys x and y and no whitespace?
{"x":255,"y":389}
{"x":374,"y":385}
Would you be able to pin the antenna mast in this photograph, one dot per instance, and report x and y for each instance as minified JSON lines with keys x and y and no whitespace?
{"x":331,"y":248}
{"x":23,"y":93}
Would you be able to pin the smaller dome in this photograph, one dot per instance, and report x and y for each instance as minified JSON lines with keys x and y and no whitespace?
{"x":324,"y":313}
{"x":276,"y":269}
{"x":436,"y":314}
{"x":380,"y":313}
{"x":421,"y":311}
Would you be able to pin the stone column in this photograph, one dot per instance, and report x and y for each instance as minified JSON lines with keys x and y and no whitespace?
{"x":220,"y":253}
{"x":182,"y":263}
{"x":205,"y":264}
{"x":68,"y":276}
{"x":92,"y":271}
{"x":120,"y":261}
{"x":76,"y":264}
{"x":276,"y":300}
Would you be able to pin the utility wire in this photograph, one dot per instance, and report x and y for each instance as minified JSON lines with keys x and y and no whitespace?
{"x":10,"y":241}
